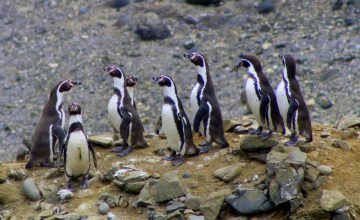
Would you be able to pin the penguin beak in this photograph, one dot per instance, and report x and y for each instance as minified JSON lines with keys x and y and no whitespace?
{"x":109,"y":69}
{"x":156,"y":78}
{"x":73,"y":83}
{"x":188,"y":55}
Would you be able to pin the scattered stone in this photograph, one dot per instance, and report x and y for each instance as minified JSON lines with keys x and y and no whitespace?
{"x":250,"y":201}
{"x":9,"y":194}
{"x":118,"y":3}
{"x":46,"y":214}
{"x":324,"y":169}
{"x":175,"y":216}
{"x":311,"y":174}
{"x":307,"y":147}
{"x":266,"y":7}
{"x":252,"y":143}
{"x":265,"y":28}
{"x":53,"y":173}
{"x":134,"y":187}
{"x":152,"y":28}
{"x":210,"y":207}
{"x":147,"y":194}
{"x":337,"y":5}
{"x":342,"y":144}
{"x":349,"y":21}
{"x":324,"y":102}
{"x":186,"y":174}
{"x":347,"y":57}
{"x":103,"y":208}
{"x":85,"y":193}
{"x":188,"y":44}
{"x":46,"y":189}
{"x":169,"y":187}
{"x":83,"y":209}
{"x":325,"y":134}
{"x":229,"y":173}
{"x":173,"y":206}
{"x":31,"y":190}
{"x":274,"y":160}
{"x":17,"y":175}
{"x":280,"y":45}
{"x":109,"y":199}
{"x":297,"y":158}
{"x":133,"y":176}
{"x":102,"y":140}
{"x":64,"y":195}
{"x":193,"y":202}
{"x":332,"y":200}
{"x":348,"y":121}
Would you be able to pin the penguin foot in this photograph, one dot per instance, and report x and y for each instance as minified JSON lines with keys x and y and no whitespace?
{"x":47,"y":164}
{"x":179,"y":160}
{"x":125,"y":152}
{"x":84,"y":183}
{"x":70,"y":186}
{"x":172,"y":156}
{"x":118,"y":149}
{"x":265,"y":136}
{"x":205,"y":149}
{"x":256,"y":132}
{"x":293,"y":140}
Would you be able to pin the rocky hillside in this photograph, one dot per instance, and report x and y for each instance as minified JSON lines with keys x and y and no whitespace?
{"x":43,"y":41}
{"x":253,"y":179}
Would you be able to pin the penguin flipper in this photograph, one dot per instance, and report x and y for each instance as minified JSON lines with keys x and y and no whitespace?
{"x":125,"y":124}
{"x":293,"y":107}
{"x":264,"y":106}
{"x":91,"y":147}
{"x":200,"y":114}
{"x":59,"y":132}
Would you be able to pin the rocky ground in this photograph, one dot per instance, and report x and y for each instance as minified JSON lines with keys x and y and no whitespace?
{"x":43,"y":41}
{"x":253,"y":179}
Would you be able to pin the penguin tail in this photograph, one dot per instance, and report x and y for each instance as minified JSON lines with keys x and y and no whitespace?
{"x":222,"y":142}
{"x":309,"y":137}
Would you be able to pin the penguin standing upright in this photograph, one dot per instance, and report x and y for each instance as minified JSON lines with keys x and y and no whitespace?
{"x":176,"y":124}
{"x":291,"y":102}
{"x":261,"y":97}
{"x":208,"y":111}
{"x":131,"y":81}
{"x":123,"y":116}
{"x":50,"y":127}
{"x":77,"y":150}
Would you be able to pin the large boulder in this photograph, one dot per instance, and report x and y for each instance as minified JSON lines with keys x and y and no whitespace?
{"x":210,"y":207}
{"x":169,"y":187}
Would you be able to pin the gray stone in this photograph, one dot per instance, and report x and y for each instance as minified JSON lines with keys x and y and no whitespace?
{"x":317,"y":213}
{"x":250,"y":201}
{"x":169,"y":187}
{"x":311,"y":174}
{"x":349,"y":133}
{"x":229,"y":173}
{"x":31,"y":190}
{"x":9,"y":194}
{"x":342,"y":144}
{"x":46,"y":189}
{"x":85,"y":193}
{"x":102,"y":140}
{"x":193,"y":202}
{"x":196,"y":217}
{"x":332,"y":200}
{"x":134,"y":187}
{"x":53,"y":173}
{"x":297,"y":158}
{"x":324,"y":169}
{"x":230,"y":124}
{"x":17,"y":175}
{"x":173,"y":206}
{"x":210,"y":207}
{"x":202,"y":2}
{"x":147,"y":194}
{"x":109,"y":199}
{"x":348,"y":121}
{"x":175,"y":216}
{"x":103,"y":208}
{"x":307,"y":147}
{"x":252,"y":143}
{"x":266,"y":7}
{"x":275,"y":160}
{"x":310,"y":186}
{"x":151,"y":28}
{"x":324,"y":102}
{"x":135,"y":176}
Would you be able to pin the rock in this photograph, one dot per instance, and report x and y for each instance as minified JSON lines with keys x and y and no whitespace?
{"x":173,"y":206}
{"x":169,"y":187}
{"x":332,"y":200}
{"x":196,"y":217}
{"x":186,"y":174}
{"x":21,"y":152}
{"x":229,"y":173}
{"x":349,"y":21}
{"x":83,"y":9}
{"x":230,"y":124}
{"x":349,"y":133}
{"x":46,"y":189}
{"x":188,"y":44}
{"x":297,"y":158}
{"x":310,"y":186}
{"x":274,"y":160}
{"x":46,"y":214}
{"x":134,"y":187}
{"x":307,"y":147}
{"x":53,"y":173}
{"x":193,"y":202}
{"x":83,"y":209}
{"x":324,"y":169}
{"x":324,"y":102}
{"x":337,"y":5}
{"x":109,"y":199}
{"x":348,"y":121}
{"x":31,"y":190}
{"x":325,"y":134}
{"x":147,"y":194}
{"x":210,"y":207}
{"x":266,"y":7}
{"x":160,"y":150}
{"x":175,"y":216}
{"x":17,"y":175}
{"x":252,"y":143}
{"x":134,"y":176}
{"x":85,"y":193}
{"x":342,"y":144}
{"x":118,"y":3}
{"x":152,"y":28}
{"x":250,"y":201}
{"x":64,"y":194}
{"x":9,"y":194}
{"x":311,"y":174}
{"x":102,"y":140}
{"x":103,"y":208}
{"x":348,"y":57}
{"x":202,"y":2}
{"x":265,"y":28}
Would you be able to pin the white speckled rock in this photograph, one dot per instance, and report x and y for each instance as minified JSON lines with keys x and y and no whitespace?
{"x":324,"y":169}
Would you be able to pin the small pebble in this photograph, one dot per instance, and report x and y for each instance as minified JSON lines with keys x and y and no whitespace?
{"x":324,"y":169}
{"x":186,"y":174}
{"x":266,"y":7}
{"x":83,"y":10}
{"x":103,"y":208}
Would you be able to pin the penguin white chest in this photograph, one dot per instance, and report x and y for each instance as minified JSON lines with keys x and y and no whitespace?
{"x":113,"y":112}
{"x":282,"y":100}
{"x":169,"y":126}
{"x":252,"y":99}
{"x":77,"y":155}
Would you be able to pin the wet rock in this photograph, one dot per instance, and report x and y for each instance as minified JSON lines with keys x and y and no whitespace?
{"x":348,"y":121}
{"x":324,"y":169}
{"x":31,"y":190}
{"x":53,"y":173}
{"x":152,"y":28}
{"x":9,"y":194}
{"x":252,"y":143}
{"x":17,"y":175}
{"x":332,"y":200}
{"x":210,"y":207}
{"x":229,"y":173}
{"x":192,"y":202}
{"x":118,"y":3}
{"x":266,"y":7}
{"x":324,"y":102}
{"x":147,"y":194}
{"x":202,"y":2}
{"x":169,"y":187}
{"x":342,"y":144}
{"x":250,"y":201}
{"x":103,"y":208}
{"x":102,"y":140}
{"x":173,"y":206}
{"x":134,"y":187}
{"x":85,"y":193}
{"x":311,"y":174}
{"x":21,"y":153}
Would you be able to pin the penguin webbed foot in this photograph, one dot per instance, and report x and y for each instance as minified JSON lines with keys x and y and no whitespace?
{"x":47,"y":164}
{"x":70,"y":185}
{"x":118,"y":149}
{"x":265,"y":136}
{"x":84,"y":183}
{"x":293,"y":140}
{"x":172,"y":156}
{"x":256,"y":132}
{"x":205,"y":148}
{"x":125,"y":152}
{"x":179,"y":160}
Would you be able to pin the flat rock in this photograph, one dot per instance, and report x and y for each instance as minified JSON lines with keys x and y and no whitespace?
{"x":173,"y":206}
{"x":332,"y":200}
{"x":193,"y":202}
{"x":348,"y":121}
{"x":229,"y":173}
{"x":253,"y":143}
{"x":17,"y":175}
{"x":135,"y":176}
{"x":9,"y":194}
{"x":324,"y":169}
{"x":31,"y":190}
{"x":342,"y":144}
{"x":169,"y":187}
{"x":102,"y":140}
{"x":53,"y":173}
{"x":250,"y":201}
{"x":196,"y":217}
{"x":275,"y":159}
{"x":311,"y":174}
{"x":210,"y":206}
{"x":147,"y":194}
{"x":297,"y":158}
{"x":230,"y":124}
{"x":134,"y":187}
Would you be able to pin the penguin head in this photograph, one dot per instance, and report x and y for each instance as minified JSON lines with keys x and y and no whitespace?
{"x":249,"y":61}
{"x":196,"y":58}
{"x":289,"y":64}
{"x":115,"y":71}
{"x":66,"y":85}
{"x":74,"y":109}
{"x":163,"y":80}
{"x":131,"y":80}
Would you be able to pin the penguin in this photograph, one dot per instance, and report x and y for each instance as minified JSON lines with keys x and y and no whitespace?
{"x":176,"y":124}
{"x":291,"y":102}
{"x":77,"y":150}
{"x":50,"y":127}
{"x":261,"y":98}
{"x":123,"y":115}
{"x":204,"y":101}
{"x":131,"y":81}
